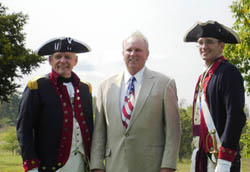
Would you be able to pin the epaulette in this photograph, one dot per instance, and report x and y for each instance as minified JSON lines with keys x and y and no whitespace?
{"x":89,"y":85}
{"x":32,"y":84}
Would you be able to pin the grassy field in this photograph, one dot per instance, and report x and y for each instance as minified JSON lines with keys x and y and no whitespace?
{"x":13,"y":163}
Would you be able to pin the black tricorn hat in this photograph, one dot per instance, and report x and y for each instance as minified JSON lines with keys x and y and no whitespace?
{"x":63,"y":44}
{"x":211,"y":29}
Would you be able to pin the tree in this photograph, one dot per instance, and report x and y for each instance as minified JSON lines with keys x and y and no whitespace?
{"x":245,"y":140}
{"x":186,"y":136}
{"x":9,"y":111}
{"x":15,"y":59}
{"x":11,"y":142}
{"x":240,"y":54}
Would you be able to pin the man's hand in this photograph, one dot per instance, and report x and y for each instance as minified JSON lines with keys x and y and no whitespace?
{"x":167,"y":170}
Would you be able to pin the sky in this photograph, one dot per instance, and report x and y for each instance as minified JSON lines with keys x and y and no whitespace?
{"x":104,"y":24}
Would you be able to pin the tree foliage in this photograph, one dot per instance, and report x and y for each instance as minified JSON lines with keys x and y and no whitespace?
{"x":186,"y":137}
{"x":11,"y":142}
{"x":245,"y":141}
{"x":9,"y":110}
{"x":240,"y":54}
{"x":15,"y":59}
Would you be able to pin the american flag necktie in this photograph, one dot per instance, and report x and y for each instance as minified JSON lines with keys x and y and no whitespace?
{"x":129,"y":102}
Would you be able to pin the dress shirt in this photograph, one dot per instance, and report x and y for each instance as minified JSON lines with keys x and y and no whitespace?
{"x":125,"y":83}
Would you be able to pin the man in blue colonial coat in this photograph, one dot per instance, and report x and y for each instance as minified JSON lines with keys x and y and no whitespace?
{"x":55,"y":119}
{"x":218,"y":116}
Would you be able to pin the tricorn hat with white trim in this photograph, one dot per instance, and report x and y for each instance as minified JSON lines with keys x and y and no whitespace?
{"x":211,"y":29}
{"x":63,"y":44}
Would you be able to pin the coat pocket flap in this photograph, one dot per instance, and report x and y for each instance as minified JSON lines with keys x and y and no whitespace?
{"x":108,"y":152}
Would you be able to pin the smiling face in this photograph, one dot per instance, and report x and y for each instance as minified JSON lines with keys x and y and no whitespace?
{"x":135,"y":53}
{"x":210,"y":49}
{"x":63,"y":62}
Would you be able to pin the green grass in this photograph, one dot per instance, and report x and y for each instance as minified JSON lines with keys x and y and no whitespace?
{"x":10,"y":163}
{"x":13,"y":163}
{"x":183,"y":166}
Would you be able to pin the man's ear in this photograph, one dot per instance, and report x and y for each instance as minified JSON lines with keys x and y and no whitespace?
{"x":76,"y":60}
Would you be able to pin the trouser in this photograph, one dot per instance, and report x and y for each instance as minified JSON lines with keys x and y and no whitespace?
{"x":75,"y":163}
{"x":210,"y":164}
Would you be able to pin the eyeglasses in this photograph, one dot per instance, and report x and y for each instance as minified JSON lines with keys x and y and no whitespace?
{"x":206,"y":42}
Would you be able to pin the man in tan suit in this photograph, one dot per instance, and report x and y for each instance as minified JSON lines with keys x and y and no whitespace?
{"x":136,"y":130}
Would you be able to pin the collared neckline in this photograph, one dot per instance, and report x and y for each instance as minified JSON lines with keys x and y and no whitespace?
{"x":138,"y":76}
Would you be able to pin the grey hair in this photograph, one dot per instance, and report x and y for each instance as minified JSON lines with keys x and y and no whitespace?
{"x":136,"y":34}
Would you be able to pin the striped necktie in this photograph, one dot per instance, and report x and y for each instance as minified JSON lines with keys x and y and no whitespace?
{"x":129,"y":102}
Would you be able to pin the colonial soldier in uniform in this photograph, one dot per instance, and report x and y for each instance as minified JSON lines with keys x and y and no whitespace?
{"x":55,"y":119}
{"x":218,"y":116}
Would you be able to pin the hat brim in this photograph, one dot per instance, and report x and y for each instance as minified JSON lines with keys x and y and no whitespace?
{"x":211,"y":29}
{"x":60,"y":45}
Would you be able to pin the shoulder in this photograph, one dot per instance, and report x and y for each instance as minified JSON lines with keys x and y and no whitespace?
{"x":88,"y":84}
{"x":33,"y":83}
{"x":160,"y":76}
{"x":112,"y":78}
{"x":226,"y":68}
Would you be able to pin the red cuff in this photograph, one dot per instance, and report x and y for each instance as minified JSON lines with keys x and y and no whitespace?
{"x":30,"y":164}
{"x":227,"y":154}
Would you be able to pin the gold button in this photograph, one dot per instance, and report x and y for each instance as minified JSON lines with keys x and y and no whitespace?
{"x":79,"y":106}
{"x":60,"y":95}
{"x":86,"y":130}
{"x":66,"y":120}
{"x":53,"y":168}
{"x":59,"y":164}
{"x":65,"y":112}
{"x":78,"y":98}
{"x":64,"y":104}
{"x":230,"y":152}
{"x":33,"y":162}
{"x":77,"y":90}
{"x":83,"y":122}
{"x":43,"y":167}
{"x":81,"y":114}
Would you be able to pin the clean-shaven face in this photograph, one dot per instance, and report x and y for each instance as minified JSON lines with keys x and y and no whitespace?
{"x":135,"y":53}
{"x":210,"y":48}
{"x":63,"y":62}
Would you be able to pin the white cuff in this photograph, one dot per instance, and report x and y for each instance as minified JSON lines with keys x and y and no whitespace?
{"x":33,"y":170}
{"x":223,"y":166}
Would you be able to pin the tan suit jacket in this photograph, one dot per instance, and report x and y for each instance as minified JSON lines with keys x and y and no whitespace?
{"x":152,"y":138}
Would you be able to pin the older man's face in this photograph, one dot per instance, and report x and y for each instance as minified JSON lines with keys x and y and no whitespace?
{"x":135,"y":53}
{"x":63,"y":63}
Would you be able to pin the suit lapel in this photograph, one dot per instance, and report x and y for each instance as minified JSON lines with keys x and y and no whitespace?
{"x":116,"y":88}
{"x":147,"y":84}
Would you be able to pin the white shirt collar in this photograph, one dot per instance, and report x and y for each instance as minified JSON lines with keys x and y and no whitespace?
{"x":138,"y":76}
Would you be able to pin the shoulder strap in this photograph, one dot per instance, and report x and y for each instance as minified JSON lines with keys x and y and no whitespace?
{"x":32,"y":84}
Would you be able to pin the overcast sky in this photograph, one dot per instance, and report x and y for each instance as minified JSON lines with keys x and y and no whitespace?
{"x":103,"y":24}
